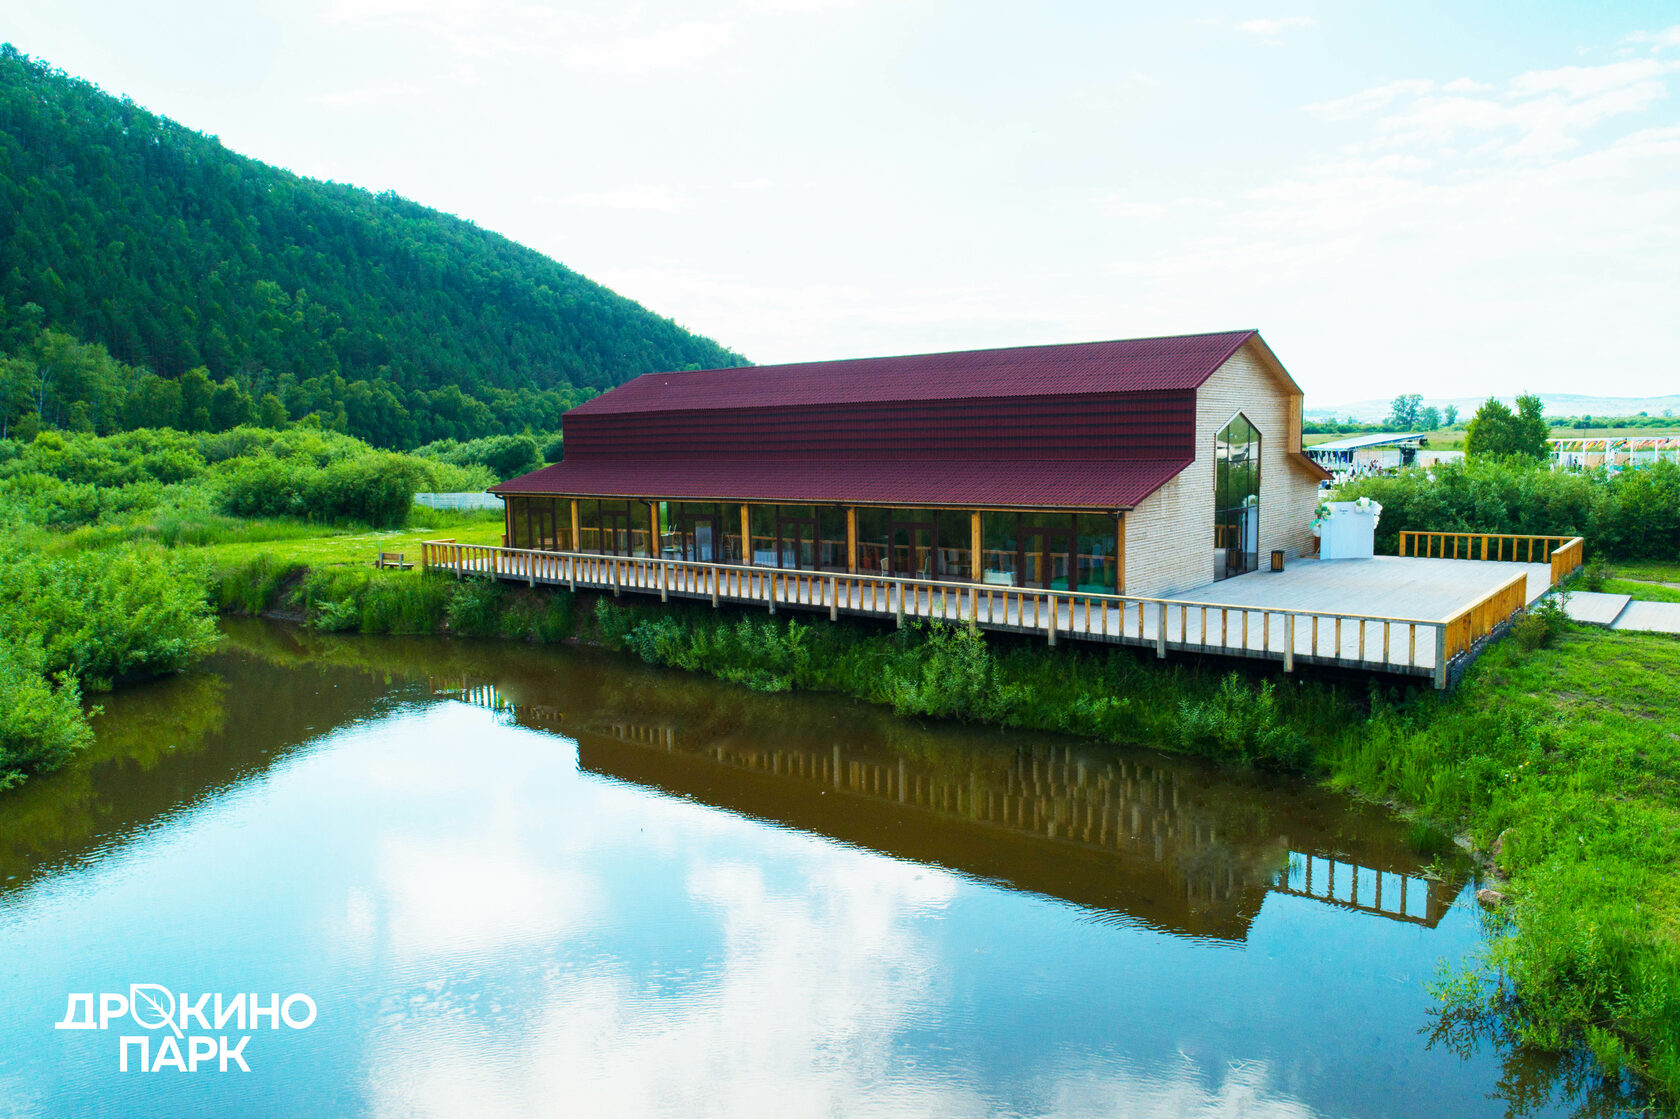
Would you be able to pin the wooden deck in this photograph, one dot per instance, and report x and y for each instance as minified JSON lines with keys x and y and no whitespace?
{"x":1392,"y":585}
{"x":1403,"y":615}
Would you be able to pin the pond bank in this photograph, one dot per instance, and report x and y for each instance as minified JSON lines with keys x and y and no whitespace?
{"x":1560,"y":762}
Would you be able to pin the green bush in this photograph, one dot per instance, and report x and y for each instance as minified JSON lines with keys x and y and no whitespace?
{"x":951,"y":675}
{"x":1241,"y":721}
{"x":100,"y":617}
{"x":40,"y":725}
{"x":1632,"y":514}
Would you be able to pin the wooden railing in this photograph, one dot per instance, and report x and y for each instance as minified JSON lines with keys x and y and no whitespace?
{"x":1499,"y":546}
{"x":1568,"y":559}
{"x":1563,"y":553}
{"x":1422,"y":646}
{"x":1480,"y":618}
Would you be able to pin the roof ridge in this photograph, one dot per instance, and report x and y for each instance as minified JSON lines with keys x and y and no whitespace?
{"x":1241,"y":335}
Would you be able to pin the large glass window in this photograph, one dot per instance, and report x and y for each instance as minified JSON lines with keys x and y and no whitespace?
{"x":544,"y":523}
{"x":802,"y":537}
{"x":616,"y":528}
{"x":1049,"y":550}
{"x":1236,"y":499}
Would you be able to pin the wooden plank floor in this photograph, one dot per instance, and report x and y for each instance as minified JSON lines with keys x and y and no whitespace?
{"x":1397,"y":586}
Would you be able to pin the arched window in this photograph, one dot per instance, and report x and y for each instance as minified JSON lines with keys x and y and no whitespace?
{"x":1236,"y":498}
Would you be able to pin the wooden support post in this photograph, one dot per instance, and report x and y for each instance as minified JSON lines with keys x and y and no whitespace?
{"x":1120,"y":556}
{"x":653,"y":528}
{"x":851,"y":539}
{"x":717,"y":577}
{"x":664,"y":581}
{"x":1440,"y":656}
{"x":1050,"y":626}
{"x":746,"y":538}
{"x":975,"y":566}
{"x":900,"y":602}
{"x":834,"y":598}
{"x":770,"y":589}
{"x":612,"y":574}
{"x":577,"y":531}
{"x":1289,"y":643}
{"x":1160,"y":630}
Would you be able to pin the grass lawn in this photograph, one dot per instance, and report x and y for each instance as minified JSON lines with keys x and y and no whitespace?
{"x":1567,"y":758}
{"x":1646,"y":571}
{"x":1644,"y":592}
{"x":326,"y":546}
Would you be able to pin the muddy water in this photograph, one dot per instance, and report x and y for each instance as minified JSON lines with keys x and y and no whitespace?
{"x":517,"y":881}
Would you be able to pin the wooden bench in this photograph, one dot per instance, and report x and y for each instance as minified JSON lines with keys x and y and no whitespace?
{"x":392,"y":560}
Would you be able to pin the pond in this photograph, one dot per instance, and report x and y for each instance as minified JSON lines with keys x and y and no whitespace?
{"x":532,"y":881}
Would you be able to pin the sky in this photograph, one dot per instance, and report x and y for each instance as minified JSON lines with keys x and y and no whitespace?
{"x":1451,"y":198}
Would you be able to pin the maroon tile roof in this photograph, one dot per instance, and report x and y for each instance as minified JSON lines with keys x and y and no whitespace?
{"x":1039,"y":483}
{"x":1097,"y":425}
{"x":1132,"y":365}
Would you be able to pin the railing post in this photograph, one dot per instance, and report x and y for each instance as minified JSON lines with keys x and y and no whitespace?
{"x":717,"y":577}
{"x":664,"y":581}
{"x":770,"y":590}
{"x":1160,"y":628}
{"x":1050,"y":626}
{"x":612,"y":575}
{"x":900,"y":603}
{"x":1289,"y":643}
{"x":834,"y":598}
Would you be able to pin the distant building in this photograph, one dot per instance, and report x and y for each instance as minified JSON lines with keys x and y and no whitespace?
{"x":1614,"y":451}
{"x":1377,"y":451}
{"x":1146,"y":466}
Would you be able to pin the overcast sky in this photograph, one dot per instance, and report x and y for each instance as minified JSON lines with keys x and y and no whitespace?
{"x":1452,"y":198}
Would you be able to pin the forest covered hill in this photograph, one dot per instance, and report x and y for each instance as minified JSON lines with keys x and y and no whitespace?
{"x":151,"y":277}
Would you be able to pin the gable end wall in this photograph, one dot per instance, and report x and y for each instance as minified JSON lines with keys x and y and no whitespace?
{"x":1169,"y":536}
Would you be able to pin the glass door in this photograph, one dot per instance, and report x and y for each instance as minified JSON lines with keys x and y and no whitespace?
{"x":1045,"y":557}
{"x":796,"y":542}
{"x":542,"y":518}
{"x":913,"y":544}
{"x":615,"y":533}
{"x":699,"y":539}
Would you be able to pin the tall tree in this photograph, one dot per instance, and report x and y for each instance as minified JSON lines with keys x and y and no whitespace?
{"x":1403,"y":414}
{"x":1495,"y":431}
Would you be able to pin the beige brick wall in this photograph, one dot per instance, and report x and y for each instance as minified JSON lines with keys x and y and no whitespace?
{"x":1169,"y":536}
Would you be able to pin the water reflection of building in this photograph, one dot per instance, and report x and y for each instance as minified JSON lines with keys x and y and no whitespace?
{"x":1144,"y":838}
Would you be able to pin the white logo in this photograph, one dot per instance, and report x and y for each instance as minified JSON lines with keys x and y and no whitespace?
{"x":152,"y":1006}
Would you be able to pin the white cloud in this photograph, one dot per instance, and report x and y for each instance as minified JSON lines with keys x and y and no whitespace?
{"x":1668,"y":37}
{"x":1270,"y":29}
{"x":1537,"y":113}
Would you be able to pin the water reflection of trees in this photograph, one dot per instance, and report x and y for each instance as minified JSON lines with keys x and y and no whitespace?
{"x":168,"y":745}
{"x":1530,"y":1081}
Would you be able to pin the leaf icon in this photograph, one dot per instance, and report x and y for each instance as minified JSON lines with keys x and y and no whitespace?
{"x":158,"y":1002}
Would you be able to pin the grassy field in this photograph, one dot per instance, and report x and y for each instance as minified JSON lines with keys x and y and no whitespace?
{"x":316,"y":546}
{"x":1646,"y":571}
{"x":1644,"y":592}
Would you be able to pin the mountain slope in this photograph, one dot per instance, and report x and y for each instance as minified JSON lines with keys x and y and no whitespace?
{"x":155,"y":241}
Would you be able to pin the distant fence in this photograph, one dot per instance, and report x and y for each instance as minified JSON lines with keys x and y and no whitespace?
{"x":471,"y":500}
